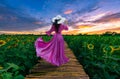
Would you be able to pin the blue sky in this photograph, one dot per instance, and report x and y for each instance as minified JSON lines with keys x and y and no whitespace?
{"x":35,"y":15}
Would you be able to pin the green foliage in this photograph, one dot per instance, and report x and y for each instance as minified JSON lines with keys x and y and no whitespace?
{"x":95,"y":53}
{"x":18,"y":55}
{"x":11,"y":72}
{"x":99,"y":55}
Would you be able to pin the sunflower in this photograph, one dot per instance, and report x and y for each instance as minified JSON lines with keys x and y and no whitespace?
{"x":17,"y":40}
{"x":108,"y":49}
{"x":9,"y":47}
{"x":112,"y":49}
{"x":8,"y":39}
{"x":90,"y":46}
{"x":1,"y":67}
{"x":2,"y":42}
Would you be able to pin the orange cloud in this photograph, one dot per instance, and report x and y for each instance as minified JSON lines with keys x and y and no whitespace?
{"x":74,"y":32}
{"x":68,"y":11}
{"x":83,"y":26}
{"x":103,"y":31}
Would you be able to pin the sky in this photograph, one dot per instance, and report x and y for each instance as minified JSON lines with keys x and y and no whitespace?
{"x":83,"y":16}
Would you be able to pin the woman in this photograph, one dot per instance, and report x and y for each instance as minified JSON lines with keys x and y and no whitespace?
{"x":53,"y":50}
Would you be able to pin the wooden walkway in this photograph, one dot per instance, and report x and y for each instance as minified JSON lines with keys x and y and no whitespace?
{"x":71,"y":70}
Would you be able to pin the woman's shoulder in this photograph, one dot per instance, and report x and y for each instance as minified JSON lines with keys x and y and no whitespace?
{"x":64,"y":26}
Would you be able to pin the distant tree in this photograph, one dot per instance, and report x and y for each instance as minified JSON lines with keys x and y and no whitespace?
{"x":114,"y":33}
{"x":80,"y":34}
{"x":110,"y":33}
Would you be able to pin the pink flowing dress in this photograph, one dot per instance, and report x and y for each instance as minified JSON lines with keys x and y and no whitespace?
{"x":53,"y":50}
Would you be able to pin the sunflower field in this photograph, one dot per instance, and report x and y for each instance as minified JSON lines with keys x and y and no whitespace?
{"x":99,"y":54}
{"x":17,"y":55}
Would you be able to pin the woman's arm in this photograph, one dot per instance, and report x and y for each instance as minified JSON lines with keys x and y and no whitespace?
{"x":65,"y":27}
{"x":50,"y":31}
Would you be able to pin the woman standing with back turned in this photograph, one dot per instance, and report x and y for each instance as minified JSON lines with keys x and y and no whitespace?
{"x":53,"y":50}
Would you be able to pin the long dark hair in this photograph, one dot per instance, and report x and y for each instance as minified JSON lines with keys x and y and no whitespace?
{"x":56,"y":25}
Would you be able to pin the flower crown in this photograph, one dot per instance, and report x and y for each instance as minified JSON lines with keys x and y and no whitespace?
{"x":59,"y":18}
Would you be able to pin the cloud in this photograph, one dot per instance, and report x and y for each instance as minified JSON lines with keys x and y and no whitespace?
{"x":98,"y":22}
{"x":88,"y":7}
{"x":42,"y":28}
{"x":38,"y":22}
{"x":1,"y":18}
{"x":12,"y":19}
{"x":83,"y":15}
{"x":95,"y":17}
{"x":83,"y":26}
{"x":100,"y":26}
{"x":68,"y":11}
{"x":79,"y":13}
{"x":109,"y":18}
{"x":105,"y":30}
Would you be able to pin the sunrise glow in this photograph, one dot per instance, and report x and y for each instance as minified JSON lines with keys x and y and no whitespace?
{"x":91,"y":17}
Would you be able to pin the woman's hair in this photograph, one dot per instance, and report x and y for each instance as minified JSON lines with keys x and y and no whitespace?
{"x":56,"y":25}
